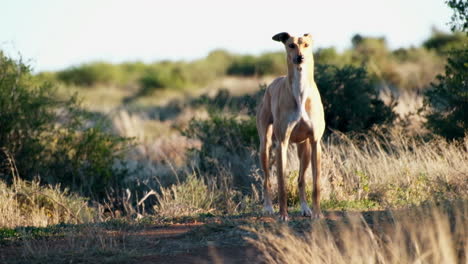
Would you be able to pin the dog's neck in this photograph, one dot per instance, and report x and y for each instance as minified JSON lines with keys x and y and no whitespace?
{"x":301,"y":82}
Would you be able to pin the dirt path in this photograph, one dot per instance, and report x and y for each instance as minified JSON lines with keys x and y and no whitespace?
{"x":212,"y":240}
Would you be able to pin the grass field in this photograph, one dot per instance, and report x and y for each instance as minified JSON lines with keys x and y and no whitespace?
{"x":388,"y":197}
{"x":158,"y":163}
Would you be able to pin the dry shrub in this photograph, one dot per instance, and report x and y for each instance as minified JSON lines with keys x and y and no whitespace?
{"x":191,"y":197}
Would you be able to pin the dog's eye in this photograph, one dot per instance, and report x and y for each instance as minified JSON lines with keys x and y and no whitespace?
{"x":306,"y":45}
{"x":292,"y":46}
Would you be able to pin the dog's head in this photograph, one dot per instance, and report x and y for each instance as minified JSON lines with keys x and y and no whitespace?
{"x":298,"y":49}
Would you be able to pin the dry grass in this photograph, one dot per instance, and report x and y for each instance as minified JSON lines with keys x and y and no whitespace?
{"x":394,"y":169}
{"x":29,"y":204}
{"x":191,"y":197}
{"x":416,"y":236}
{"x":384,"y":169}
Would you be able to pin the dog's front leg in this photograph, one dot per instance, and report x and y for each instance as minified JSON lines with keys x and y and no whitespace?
{"x":282,"y":152}
{"x":282,"y":157}
{"x":316,"y":170}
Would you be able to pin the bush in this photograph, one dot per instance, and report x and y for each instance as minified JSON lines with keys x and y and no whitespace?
{"x":350,"y":101}
{"x":447,"y":100}
{"x":331,"y":56}
{"x":90,"y":74}
{"x":266,"y":64}
{"x":226,"y":143}
{"x":225,"y":101}
{"x":271,"y":64}
{"x":243,"y":66}
{"x":444,"y":42}
{"x":49,"y":138}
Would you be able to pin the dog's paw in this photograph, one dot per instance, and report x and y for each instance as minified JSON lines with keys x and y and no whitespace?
{"x":317,"y":214}
{"x":284,"y":218}
{"x":305,"y":210}
{"x":268,"y":209}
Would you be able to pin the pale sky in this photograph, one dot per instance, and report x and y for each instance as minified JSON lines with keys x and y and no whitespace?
{"x":55,"y":34}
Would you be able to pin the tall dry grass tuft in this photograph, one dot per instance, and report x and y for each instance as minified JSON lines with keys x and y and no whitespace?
{"x":26,"y":203}
{"x":190,"y":197}
{"x":417,"y":236}
{"x":394,"y":169}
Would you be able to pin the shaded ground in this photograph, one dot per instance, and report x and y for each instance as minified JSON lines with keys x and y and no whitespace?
{"x":203,"y":239}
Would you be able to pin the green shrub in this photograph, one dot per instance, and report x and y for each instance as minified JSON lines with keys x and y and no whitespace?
{"x":331,"y":56}
{"x":225,"y":101}
{"x":271,"y":64}
{"x":443,"y":42}
{"x":163,"y":75}
{"x":218,"y":61}
{"x":350,"y":100}
{"x":447,"y":100}
{"x":243,"y":66}
{"x":50,"y":138}
{"x":369,"y":49}
{"x":265,"y":64}
{"x":226,"y":143}
{"x":90,"y":74}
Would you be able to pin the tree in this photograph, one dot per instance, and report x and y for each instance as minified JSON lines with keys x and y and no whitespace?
{"x":459,"y":19}
{"x":447,"y":100}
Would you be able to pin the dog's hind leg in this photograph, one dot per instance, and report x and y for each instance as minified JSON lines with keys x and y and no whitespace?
{"x":303,"y":151}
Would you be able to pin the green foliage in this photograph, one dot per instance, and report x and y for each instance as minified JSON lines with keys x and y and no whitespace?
{"x":448,"y":98}
{"x":406,"y":68}
{"x":218,"y":61}
{"x":90,"y":74}
{"x":163,"y":75}
{"x":271,"y":64}
{"x":86,"y":160}
{"x":363,"y":204}
{"x":46,"y":137}
{"x":266,"y":64}
{"x":226,"y":142}
{"x":443,"y":42}
{"x":366,"y":49}
{"x":460,"y":14}
{"x":350,"y":101}
{"x":331,"y":56}
{"x":225,"y":101}
{"x":243,"y":66}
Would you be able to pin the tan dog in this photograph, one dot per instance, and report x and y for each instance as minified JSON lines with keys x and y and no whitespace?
{"x":292,"y":111}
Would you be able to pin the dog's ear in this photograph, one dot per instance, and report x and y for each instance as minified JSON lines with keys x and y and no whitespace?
{"x":308,"y":35}
{"x":283,"y":36}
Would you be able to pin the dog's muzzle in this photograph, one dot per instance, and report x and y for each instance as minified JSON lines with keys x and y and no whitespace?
{"x":299,"y":59}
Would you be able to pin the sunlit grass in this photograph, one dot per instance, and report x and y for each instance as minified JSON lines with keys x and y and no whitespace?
{"x":420,"y":235}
